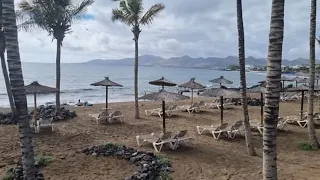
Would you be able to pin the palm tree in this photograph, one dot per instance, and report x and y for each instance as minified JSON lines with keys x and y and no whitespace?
{"x":130,"y":13}
{"x":311,"y":128}
{"x":4,"y":66}
{"x":250,"y":148}
{"x":55,"y":17}
{"x":273,"y":85}
{"x":18,"y":91}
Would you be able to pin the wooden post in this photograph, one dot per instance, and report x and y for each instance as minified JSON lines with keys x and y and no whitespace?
{"x":302,"y":99}
{"x":164,"y":116}
{"x":221,"y":109}
{"x":191,"y":96}
{"x":261,"y":107}
{"x":107,"y":99}
{"x":35,"y":114}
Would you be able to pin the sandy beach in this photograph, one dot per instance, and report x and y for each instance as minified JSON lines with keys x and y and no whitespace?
{"x":203,"y":159}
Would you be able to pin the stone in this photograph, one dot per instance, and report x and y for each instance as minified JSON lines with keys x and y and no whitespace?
{"x":94,"y":154}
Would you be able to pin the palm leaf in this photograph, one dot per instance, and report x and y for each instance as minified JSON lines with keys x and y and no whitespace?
{"x":136,"y":9}
{"x":151,"y":14}
{"x":118,"y":15}
{"x":78,"y":12}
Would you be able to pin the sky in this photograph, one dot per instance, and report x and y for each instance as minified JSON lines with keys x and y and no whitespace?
{"x":200,"y":28}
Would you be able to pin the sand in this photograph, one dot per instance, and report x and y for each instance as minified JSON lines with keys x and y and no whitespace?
{"x":203,"y":159}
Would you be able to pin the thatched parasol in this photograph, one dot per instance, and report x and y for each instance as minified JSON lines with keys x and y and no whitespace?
{"x":36,"y":88}
{"x":106,"y":82}
{"x":222,"y":92}
{"x":284,"y":78}
{"x":192,"y":85}
{"x":164,"y":96}
{"x":221,"y":80}
{"x":162,"y":82}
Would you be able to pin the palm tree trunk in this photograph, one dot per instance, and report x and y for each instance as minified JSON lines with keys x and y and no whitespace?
{"x":250,"y":148}
{"x":7,"y":82}
{"x":311,"y":128}
{"x":136,"y":63}
{"x":18,"y":91}
{"x":273,"y":85}
{"x":4,"y":66}
{"x":58,"y":76}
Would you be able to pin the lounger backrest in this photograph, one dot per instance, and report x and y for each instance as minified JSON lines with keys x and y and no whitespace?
{"x":116,"y":113}
{"x":193,"y":105}
{"x":173,"y":107}
{"x":165,"y":136}
{"x":103,"y":114}
{"x":201,"y":103}
{"x":222,"y":126}
{"x":181,"y":133}
{"x":237,"y":125}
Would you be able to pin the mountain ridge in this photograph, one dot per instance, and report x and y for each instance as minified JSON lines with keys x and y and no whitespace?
{"x":190,"y":62}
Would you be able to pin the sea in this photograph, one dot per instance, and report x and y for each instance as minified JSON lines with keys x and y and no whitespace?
{"x":76,"y":80}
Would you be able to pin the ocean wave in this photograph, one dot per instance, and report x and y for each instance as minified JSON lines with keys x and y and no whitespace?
{"x":78,"y":90}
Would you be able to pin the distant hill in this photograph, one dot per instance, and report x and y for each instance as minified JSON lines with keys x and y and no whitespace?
{"x":188,"y":62}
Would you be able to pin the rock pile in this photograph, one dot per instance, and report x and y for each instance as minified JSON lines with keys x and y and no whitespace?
{"x":16,"y":173}
{"x":7,"y":118}
{"x":50,"y":111}
{"x":150,"y":166}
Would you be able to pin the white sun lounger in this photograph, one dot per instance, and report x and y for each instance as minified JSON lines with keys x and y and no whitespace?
{"x":213,"y":104}
{"x":301,"y":122}
{"x":193,"y":108}
{"x":157,"y":142}
{"x":115,"y":116}
{"x":181,"y":138}
{"x":43,"y":123}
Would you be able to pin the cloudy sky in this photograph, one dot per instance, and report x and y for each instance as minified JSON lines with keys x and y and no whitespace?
{"x":186,"y":27}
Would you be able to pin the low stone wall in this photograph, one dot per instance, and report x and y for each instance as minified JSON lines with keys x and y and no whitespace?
{"x":150,"y":166}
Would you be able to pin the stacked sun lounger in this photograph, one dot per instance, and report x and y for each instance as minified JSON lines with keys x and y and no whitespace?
{"x":104,"y":116}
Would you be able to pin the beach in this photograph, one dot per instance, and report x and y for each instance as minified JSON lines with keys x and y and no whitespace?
{"x":203,"y":159}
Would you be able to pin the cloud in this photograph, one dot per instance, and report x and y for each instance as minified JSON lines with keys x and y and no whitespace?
{"x":186,"y":27}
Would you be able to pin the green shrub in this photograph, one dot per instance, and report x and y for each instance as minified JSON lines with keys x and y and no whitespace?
{"x":163,"y":160}
{"x":43,"y":160}
{"x":305,"y":146}
{"x":7,"y":176}
{"x":165,"y":176}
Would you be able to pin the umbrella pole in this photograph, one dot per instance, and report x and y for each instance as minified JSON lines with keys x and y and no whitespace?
{"x":221,"y":109}
{"x":302,"y":99}
{"x":107,"y":99}
{"x":261,"y":108}
{"x":296,"y":83}
{"x":164,"y":116}
{"x":191,"y":96}
{"x":35,"y":114}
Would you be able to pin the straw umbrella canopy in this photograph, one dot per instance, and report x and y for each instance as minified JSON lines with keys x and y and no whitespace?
{"x":221,"y":80}
{"x":164,"y":96}
{"x":36,"y":88}
{"x":222,"y":92}
{"x":162,"y":82}
{"x":192,"y":85}
{"x":284,"y":78}
{"x":106,"y":82}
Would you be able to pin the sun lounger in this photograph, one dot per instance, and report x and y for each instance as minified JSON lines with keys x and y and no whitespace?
{"x":213,"y":104}
{"x":201,"y":105}
{"x":157,"y":142}
{"x":226,"y":104}
{"x":156,"y":111}
{"x":301,"y":122}
{"x":235,"y":129}
{"x":202,"y":129}
{"x":181,"y":138}
{"x":33,"y":126}
{"x":172,"y":110}
{"x":221,"y":129}
{"x":115,"y":116}
{"x":43,"y":123}
{"x":193,"y":108}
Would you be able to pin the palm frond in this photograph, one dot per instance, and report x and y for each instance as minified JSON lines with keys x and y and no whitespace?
{"x":136,"y":9}
{"x":118,"y":15}
{"x":151,"y":14}
{"x":78,"y":11}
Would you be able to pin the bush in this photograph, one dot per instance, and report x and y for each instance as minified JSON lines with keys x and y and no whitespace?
{"x":164,"y":176}
{"x":7,"y":176}
{"x":305,"y":146}
{"x":163,"y":160}
{"x":43,"y":160}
